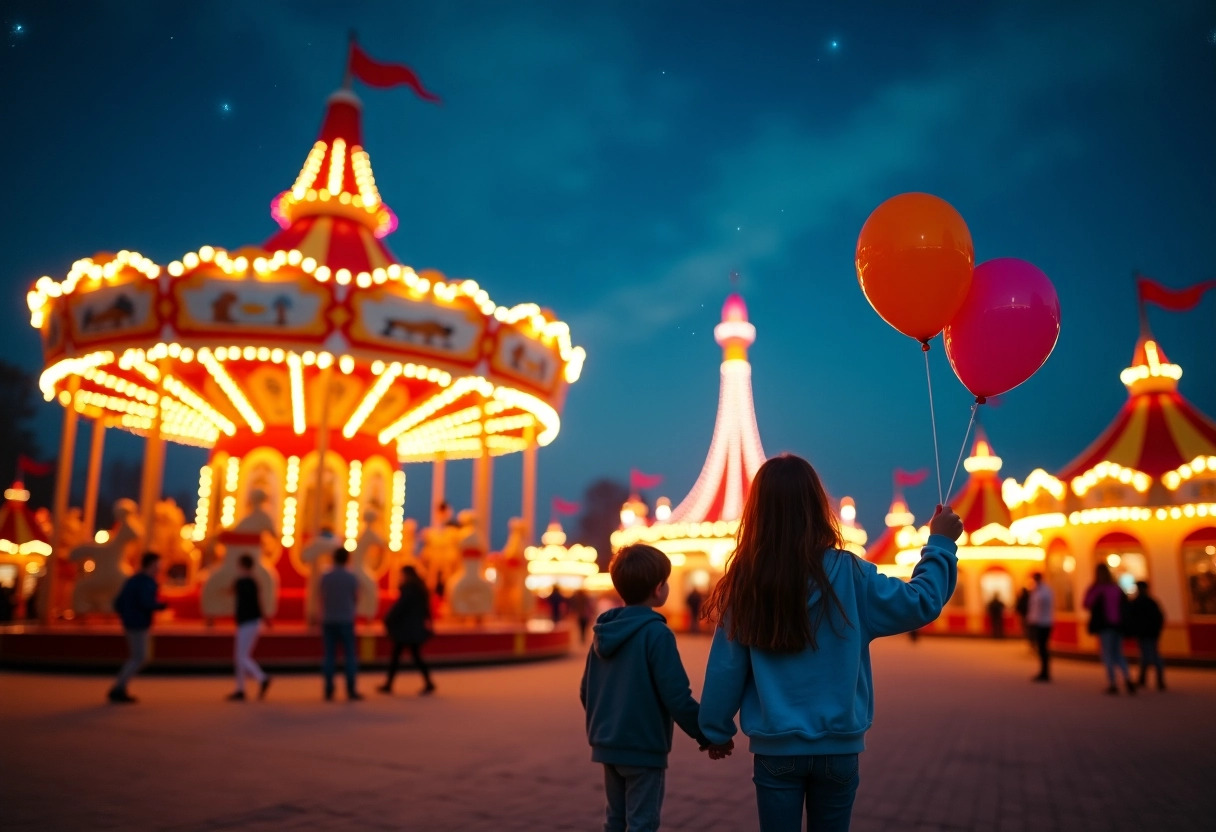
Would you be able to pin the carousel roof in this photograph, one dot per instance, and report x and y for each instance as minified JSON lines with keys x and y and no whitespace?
{"x":20,"y":532}
{"x":235,"y":348}
{"x":735,"y":452}
{"x":1157,"y":430}
{"x":333,"y":212}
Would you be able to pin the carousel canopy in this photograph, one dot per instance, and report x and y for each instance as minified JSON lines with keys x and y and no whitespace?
{"x":319,"y":327}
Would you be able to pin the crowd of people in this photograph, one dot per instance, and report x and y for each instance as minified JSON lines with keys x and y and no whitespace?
{"x":408,"y":625}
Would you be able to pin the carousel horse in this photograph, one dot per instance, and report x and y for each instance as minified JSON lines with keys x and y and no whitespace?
{"x":316,"y":557}
{"x":97,"y":588}
{"x":472,"y":595}
{"x":368,"y":547}
{"x":511,"y":567}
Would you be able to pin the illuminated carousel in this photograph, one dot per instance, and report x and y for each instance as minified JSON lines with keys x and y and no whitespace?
{"x":698,"y":535}
{"x":1142,"y":498}
{"x":312,"y":368}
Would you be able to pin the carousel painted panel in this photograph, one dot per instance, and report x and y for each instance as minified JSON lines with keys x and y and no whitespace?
{"x":269,"y":391}
{"x":214,"y":304}
{"x":54,"y":330}
{"x":525,"y":360}
{"x":386,"y":317}
{"x":113,"y":312}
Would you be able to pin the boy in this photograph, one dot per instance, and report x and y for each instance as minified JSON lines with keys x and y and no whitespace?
{"x":339,"y":600}
{"x":632,"y":688}
{"x":135,"y":604}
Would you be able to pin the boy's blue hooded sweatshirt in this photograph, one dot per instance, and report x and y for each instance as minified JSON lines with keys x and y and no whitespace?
{"x":633,"y":686}
{"x":822,"y":701}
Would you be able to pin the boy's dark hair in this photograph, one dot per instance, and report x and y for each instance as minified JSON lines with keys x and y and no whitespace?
{"x":147,"y":560}
{"x":341,"y":556}
{"x":245,"y":561}
{"x":637,"y":571}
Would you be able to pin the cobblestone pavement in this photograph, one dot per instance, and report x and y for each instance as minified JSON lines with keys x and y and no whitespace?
{"x":962,"y":740}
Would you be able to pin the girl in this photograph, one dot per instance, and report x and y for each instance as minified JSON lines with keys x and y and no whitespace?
{"x":795,"y":616}
{"x":1105,"y":602}
{"x":408,"y":623}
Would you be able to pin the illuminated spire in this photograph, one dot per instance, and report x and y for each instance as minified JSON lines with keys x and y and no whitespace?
{"x":898,"y":515}
{"x":735,"y":452}
{"x":336,"y":179}
{"x":1151,"y":371}
{"x":982,"y":458}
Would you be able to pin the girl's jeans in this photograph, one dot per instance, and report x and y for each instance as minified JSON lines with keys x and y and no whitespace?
{"x":825,"y":784}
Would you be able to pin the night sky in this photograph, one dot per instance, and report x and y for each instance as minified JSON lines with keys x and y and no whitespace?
{"x":616,"y":161}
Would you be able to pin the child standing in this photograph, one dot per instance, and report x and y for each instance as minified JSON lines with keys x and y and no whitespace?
{"x":633,"y":686}
{"x":248,"y":616}
{"x":795,"y":617}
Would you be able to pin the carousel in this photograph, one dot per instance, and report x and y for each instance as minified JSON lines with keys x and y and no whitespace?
{"x":698,"y":535}
{"x":1141,"y":498}
{"x":315,"y":368}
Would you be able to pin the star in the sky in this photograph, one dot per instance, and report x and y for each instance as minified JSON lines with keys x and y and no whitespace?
{"x":225,"y":109}
{"x":1212,"y":37}
{"x":834,"y":45}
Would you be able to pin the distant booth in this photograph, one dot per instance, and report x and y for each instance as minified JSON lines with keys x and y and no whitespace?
{"x":314,"y":368}
{"x":1142,"y":499}
{"x":994,"y":561}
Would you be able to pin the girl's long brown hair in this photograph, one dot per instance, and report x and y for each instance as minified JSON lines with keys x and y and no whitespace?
{"x":786,"y":527}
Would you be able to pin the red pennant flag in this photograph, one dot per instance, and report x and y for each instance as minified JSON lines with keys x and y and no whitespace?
{"x":376,"y":74}
{"x":910,"y":478}
{"x":32,"y":467}
{"x":639,"y":481}
{"x":1175,"y":300}
{"x":561,"y":506}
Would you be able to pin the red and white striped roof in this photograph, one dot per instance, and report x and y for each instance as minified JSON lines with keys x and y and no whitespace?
{"x":735,"y":452}
{"x":333,"y":212}
{"x":1157,"y":430}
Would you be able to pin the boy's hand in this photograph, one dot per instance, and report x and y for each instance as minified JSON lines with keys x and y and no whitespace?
{"x":946,"y":523}
{"x":717,"y":752}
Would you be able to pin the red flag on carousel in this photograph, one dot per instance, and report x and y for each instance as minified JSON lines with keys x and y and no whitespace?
{"x":377,"y":74}
{"x":561,"y":506}
{"x":1175,"y":300}
{"x":32,"y":467}
{"x":639,"y":481}
{"x":908,"y":479}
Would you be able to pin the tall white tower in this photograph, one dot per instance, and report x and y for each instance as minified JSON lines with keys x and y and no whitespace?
{"x":735,"y":453}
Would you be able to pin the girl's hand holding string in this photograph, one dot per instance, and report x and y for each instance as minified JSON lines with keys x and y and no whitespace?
{"x":946,"y":523}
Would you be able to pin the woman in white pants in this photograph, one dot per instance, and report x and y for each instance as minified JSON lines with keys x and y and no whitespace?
{"x":248,"y":625}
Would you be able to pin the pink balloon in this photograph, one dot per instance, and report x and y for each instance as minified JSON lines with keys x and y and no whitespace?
{"x":1006,"y":328}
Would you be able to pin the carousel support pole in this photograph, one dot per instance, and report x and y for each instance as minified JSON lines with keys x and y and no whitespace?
{"x":482,"y":485}
{"x":63,"y":484}
{"x":154,"y":464}
{"x":93,"y":481}
{"x":438,"y":486}
{"x":315,"y":522}
{"x":528,"y":509}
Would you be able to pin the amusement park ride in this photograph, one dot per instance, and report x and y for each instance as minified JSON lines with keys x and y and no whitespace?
{"x":313,"y":367}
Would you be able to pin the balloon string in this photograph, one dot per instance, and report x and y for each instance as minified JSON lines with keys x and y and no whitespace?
{"x":974,"y":409}
{"x":937,"y":459}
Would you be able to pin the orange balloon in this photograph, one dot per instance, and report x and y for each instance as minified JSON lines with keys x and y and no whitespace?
{"x":914,"y":263}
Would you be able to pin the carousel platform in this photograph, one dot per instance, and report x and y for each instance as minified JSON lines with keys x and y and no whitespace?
{"x":198,"y":647}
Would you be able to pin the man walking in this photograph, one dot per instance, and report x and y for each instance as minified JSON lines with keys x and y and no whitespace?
{"x":135,"y":604}
{"x":339,"y":594}
{"x":1040,"y":613}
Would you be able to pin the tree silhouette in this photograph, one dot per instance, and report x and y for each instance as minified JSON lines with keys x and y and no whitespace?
{"x":601,"y":516}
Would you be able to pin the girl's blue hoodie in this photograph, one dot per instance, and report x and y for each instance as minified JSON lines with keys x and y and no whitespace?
{"x":822,"y":701}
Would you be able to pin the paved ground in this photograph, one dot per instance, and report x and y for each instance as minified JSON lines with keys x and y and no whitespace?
{"x":962,"y":740}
